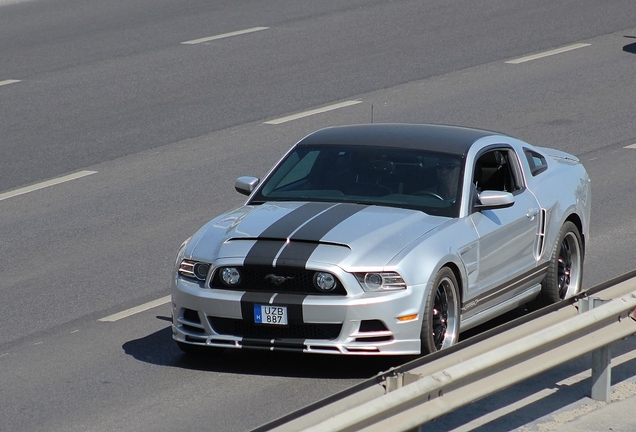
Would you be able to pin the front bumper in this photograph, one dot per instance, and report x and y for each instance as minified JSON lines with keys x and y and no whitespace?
{"x":363,"y":324}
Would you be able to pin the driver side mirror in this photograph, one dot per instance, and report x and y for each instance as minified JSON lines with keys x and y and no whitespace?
{"x":491,"y":200}
{"x":246,"y":185}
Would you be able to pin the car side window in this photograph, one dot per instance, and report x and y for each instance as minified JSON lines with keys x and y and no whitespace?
{"x":496,"y":170}
{"x":537,"y":162}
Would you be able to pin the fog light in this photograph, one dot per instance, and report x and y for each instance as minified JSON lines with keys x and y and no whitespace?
{"x":325,"y":282}
{"x":230,"y":276}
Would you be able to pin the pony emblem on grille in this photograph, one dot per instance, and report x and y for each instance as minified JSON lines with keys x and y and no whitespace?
{"x":278,"y":280}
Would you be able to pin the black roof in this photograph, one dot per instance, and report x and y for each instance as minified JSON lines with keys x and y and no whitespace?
{"x":437,"y":138}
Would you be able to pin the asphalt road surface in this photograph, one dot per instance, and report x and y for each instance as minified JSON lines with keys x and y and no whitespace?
{"x":140,"y":115}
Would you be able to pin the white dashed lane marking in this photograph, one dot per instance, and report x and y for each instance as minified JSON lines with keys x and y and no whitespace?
{"x":9,"y":81}
{"x":138,"y":309}
{"x":223,"y":36}
{"x":45,"y":184}
{"x":548,"y":53}
{"x":313,"y":112}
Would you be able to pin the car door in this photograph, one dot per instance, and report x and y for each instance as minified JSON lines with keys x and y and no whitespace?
{"x":506,"y":236}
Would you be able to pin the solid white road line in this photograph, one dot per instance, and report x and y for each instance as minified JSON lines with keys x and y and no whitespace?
{"x":45,"y":184}
{"x":224,"y":35}
{"x":138,"y":309}
{"x":631,"y":146}
{"x":548,"y":53}
{"x":313,"y":112}
{"x":9,"y":81}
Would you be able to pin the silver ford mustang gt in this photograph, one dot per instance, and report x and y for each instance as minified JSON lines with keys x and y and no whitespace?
{"x":384,"y":239}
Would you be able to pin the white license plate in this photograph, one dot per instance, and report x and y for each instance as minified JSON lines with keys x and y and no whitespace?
{"x":270,"y":315}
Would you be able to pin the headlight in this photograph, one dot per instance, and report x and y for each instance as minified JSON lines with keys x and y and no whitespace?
{"x":201,"y":270}
{"x":385,"y":281}
{"x":324,"y":282}
{"x":230,"y":276}
{"x":181,"y":253}
{"x":194,"y":269}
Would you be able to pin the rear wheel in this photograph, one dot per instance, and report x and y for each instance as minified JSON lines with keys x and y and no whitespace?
{"x":440,"y":321}
{"x":565,"y":271}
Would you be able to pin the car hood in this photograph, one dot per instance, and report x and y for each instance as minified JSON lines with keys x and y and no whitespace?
{"x":295,"y":233}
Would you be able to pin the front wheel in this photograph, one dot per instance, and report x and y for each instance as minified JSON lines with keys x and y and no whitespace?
{"x":440,"y":321}
{"x":565,"y":271}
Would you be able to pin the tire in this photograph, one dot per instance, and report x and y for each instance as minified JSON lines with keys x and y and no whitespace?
{"x":565,"y":270}
{"x":440,"y":320}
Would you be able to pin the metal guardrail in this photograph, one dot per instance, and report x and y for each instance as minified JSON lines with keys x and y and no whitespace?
{"x":413,"y":394}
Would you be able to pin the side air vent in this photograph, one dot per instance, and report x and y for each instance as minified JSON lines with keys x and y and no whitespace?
{"x":539,"y":246}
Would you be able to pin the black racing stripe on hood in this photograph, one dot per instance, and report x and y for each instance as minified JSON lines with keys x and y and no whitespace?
{"x":263,"y":252}
{"x":305,"y":241}
{"x":283,"y":227}
{"x":296,"y":254}
{"x":316,"y":229}
{"x":271,"y":240}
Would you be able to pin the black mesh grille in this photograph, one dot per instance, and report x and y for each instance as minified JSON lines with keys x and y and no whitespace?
{"x":264,"y":279}
{"x":234,"y":327}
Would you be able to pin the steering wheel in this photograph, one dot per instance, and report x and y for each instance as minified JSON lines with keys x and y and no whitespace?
{"x":428,"y":193}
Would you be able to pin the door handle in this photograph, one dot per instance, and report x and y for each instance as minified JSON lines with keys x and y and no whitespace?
{"x":532,"y":212}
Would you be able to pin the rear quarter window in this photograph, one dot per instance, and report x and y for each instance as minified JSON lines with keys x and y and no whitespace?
{"x":537,"y":162}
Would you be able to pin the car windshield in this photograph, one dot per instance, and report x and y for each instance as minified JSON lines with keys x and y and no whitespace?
{"x":387,"y":176}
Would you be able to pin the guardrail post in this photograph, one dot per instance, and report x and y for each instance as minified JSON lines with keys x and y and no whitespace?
{"x":399,"y":380}
{"x":601,"y":359}
{"x":601,"y":374}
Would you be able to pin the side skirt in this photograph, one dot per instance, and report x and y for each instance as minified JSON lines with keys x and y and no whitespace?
{"x":499,"y":309}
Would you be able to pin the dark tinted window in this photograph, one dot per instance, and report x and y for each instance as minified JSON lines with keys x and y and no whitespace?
{"x":537,"y":162}
{"x":388,"y":176}
{"x":496,"y":170}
